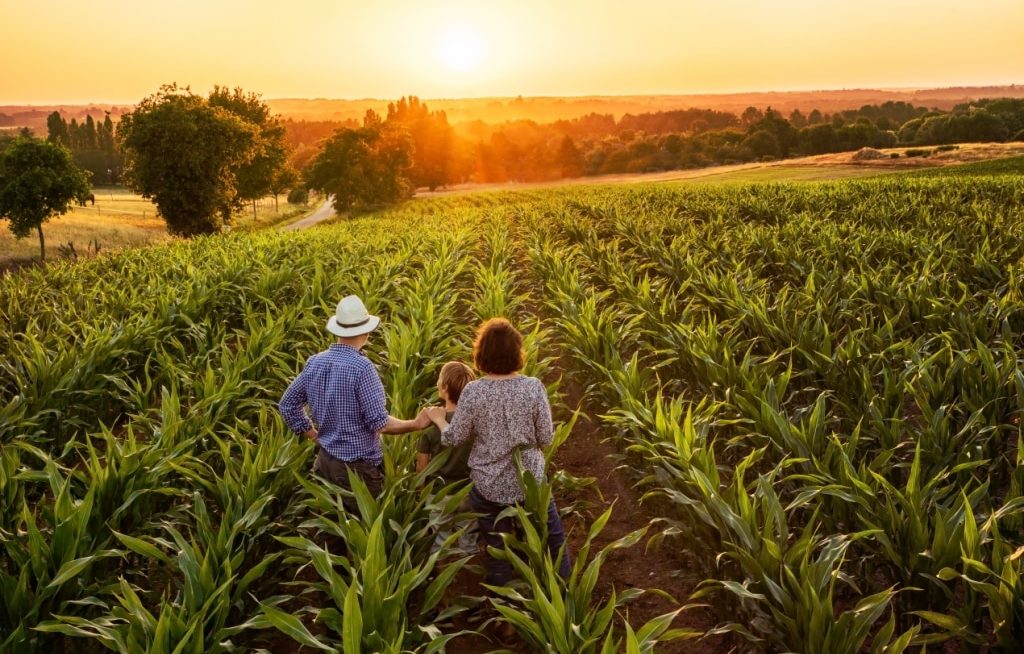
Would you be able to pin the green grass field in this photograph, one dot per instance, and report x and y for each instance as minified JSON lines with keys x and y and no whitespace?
{"x":1012,"y":166}
{"x":120,"y":219}
{"x":786,"y":173}
{"x":816,"y":389}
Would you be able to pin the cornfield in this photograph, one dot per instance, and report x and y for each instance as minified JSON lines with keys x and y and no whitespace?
{"x":817,"y":387}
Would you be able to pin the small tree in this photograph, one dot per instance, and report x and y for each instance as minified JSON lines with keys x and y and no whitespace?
{"x":762,"y":143}
{"x":38,"y":180}
{"x":285,"y":179}
{"x":570,"y":159}
{"x":57,"y":129}
{"x":298,"y":195}
{"x":184,"y":154}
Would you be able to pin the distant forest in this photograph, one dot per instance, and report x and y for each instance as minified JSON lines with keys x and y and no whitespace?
{"x":599,"y":144}
{"x":443,"y":153}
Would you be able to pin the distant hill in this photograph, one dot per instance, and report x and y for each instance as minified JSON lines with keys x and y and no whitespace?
{"x":34,"y":116}
{"x":548,"y":109}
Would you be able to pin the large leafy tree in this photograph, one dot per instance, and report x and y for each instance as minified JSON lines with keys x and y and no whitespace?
{"x":185,"y":154}
{"x":257,"y":177}
{"x":363,"y":167}
{"x":38,"y":180}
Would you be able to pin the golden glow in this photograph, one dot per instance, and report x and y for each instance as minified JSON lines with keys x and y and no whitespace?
{"x":122,"y":50}
{"x":460,"y":49}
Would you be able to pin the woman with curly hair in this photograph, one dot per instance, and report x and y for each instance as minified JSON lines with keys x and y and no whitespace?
{"x":503,"y":413}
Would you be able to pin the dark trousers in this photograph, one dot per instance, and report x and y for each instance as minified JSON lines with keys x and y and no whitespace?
{"x":336,"y":472}
{"x":500,"y":573}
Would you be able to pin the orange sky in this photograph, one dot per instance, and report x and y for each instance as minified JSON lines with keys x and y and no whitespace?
{"x":122,"y":50}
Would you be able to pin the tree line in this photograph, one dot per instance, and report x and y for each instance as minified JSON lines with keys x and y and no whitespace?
{"x":92,"y":144}
{"x":202,"y":158}
{"x":597,"y":145}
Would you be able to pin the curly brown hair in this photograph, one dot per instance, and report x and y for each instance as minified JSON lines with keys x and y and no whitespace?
{"x":498,"y":348}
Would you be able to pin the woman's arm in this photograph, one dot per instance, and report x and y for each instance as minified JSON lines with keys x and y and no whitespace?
{"x":461,"y":428}
{"x":543,"y":426}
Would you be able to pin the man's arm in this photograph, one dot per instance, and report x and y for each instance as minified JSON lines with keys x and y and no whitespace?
{"x":373,"y":404}
{"x":374,"y":407}
{"x":292,"y":407}
{"x":397,"y":426}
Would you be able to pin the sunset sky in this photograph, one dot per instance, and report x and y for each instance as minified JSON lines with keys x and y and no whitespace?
{"x":121,"y":50}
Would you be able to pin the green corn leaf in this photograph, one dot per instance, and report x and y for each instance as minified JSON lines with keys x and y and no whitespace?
{"x":352,"y":623}
{"x":292,"y":627}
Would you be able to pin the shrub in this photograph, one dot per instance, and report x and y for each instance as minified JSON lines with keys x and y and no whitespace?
{"x":894,"y":155}
{"x":917,"y":152}
{"x":947,"y":148}
{"x":298,"y":196}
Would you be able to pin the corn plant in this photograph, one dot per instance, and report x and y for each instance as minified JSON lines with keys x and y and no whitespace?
{"x":992,"y":570}
{"x":50,"y":562}
{"x":552,"y":614}
{"x":384,"y":582}
{"x":841,"y":360}
{"x":198,"y":614}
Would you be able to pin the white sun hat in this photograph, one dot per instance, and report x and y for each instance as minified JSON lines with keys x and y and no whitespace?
{"x":351,"y":318}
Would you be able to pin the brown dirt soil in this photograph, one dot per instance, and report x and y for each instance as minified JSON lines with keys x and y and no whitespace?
{"x":587,"y":454}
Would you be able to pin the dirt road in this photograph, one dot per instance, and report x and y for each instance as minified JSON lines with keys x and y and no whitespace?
{"x":325,"y":211}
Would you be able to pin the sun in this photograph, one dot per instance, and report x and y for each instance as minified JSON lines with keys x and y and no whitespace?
{"x":460,"y":49}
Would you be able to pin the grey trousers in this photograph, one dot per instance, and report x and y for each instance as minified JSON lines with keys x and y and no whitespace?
{"x":336,"y":471}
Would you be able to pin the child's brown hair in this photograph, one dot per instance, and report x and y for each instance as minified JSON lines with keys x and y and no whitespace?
{"x":454,"y":377}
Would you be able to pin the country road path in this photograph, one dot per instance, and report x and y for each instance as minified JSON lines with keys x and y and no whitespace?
{"x":325,"y":211}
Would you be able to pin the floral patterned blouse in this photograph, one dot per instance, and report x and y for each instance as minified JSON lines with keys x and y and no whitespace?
{"x":501,"y":416}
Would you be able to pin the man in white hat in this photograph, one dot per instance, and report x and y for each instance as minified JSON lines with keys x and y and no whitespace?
{"x":347,"y":403}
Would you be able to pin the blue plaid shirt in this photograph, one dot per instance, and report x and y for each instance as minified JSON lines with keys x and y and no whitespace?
{"x":347,"y":402}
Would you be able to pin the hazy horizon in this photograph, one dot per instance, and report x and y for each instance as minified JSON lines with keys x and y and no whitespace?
{"x":736,"y":92}
{"x":321,"y":49}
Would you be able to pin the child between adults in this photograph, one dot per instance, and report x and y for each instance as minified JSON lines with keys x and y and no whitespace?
{"x":453,"y":378}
